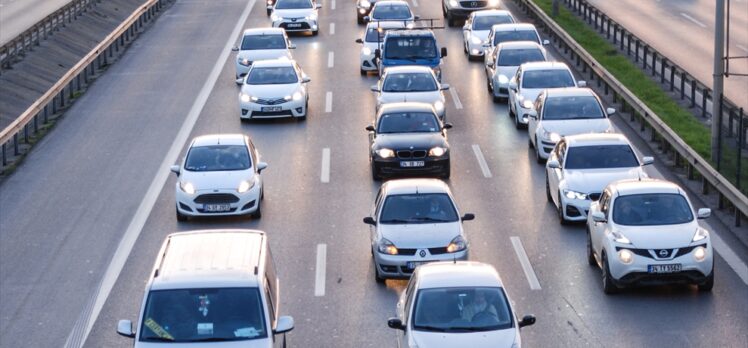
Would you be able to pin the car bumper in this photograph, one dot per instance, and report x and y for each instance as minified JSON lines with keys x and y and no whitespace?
{"x":475,"y":50}
{"x":303,"y":25}
{"x":575,"y":209}
{"x":637,"y":273}
{"x":393,"y":167}
{"x":294,"y":108}
{"x":402,"y":266}
{"x":242,"y":70}
{"x":368,"y":62}
{"x":239,"y":203}
{"x":502,"y":90}
{"x":523,"y":115}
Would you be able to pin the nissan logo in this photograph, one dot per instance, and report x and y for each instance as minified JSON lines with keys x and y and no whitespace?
{"x":663,"y":253}
{"x":422,"y":253}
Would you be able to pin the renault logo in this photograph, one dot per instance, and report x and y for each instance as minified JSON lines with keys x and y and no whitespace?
{"x":422,"y":253}
{"x":663,"y":253}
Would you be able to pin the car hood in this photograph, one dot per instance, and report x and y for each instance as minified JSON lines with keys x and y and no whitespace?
{"x":270,"y":91}
{"x":509,"y":72}
{"x":485,"y":339}
{"x":423,"y":97}
{"x":257,"y":343}
{"x":415,"y":236}
{"x":660,"y":237}
{"x":297,"y":13}
{"x":481,"y":34}
{"x":407,"y":140}
{"x":531,"y":93}
{"x":219,"y":180}
{"x":255,"y":55}
{"x":573,"y":127}
{"x":595,"y":180}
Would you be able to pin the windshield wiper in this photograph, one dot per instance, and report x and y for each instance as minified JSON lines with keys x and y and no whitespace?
{"x":431,"y":328}
{"x":410,"y":58}
{"x":400,"y":221}
{"x":214,"y":339}
{"x":158,"y":339}
{"x":426,"y":218}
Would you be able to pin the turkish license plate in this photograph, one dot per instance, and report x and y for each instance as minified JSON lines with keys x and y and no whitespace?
{"x":293,"y":25}
{"x":217,"y":208}
{"x":414,"y":264}
{"x":271,"y":108}
{"x":411,"y":164}
{"x":670,"y":268}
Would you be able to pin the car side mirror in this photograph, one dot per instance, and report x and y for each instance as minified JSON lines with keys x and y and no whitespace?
{"x":285,"y":324}
{"x":582,"y":83}
{"x":124,"y":328}
{"x":416,"y":17}
{"x":546,"y":42}
{"x":306,"y":79}
{"x":599,"y":217}
{"x":395,"y":323}
{"x":370,"y":221}
{"x":533,"y":114}
{"x":489,"y":63}
{"x":447,"y":126}
{"x":235,"y":49}
{"x":291,"y":46}
{"x":318,"y":6}
{"x":444,"y":52}
{"x":610,"y":111}
{"x":445,"y":87}
{"x":513,"y":84}
{"x":359,"y":41}
{"x":527,"y":320}
{"x":468,"y":217}
{"x":270,"y":8}
{"x":374,"y":88}
{"x":261,"y":166}
{"x":367,"y":18}
{"x":704,"y":213}
{"x":370,"y":128}
{"x":647,"y":160}
{"x":553,"y":164}
{"x":176,"y":169}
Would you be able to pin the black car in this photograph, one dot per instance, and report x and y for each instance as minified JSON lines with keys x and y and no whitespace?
{"x":363,"y":7}
{"x":408,"y":139}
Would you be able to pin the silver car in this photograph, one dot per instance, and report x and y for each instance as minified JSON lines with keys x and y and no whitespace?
{"x":411,"y":83}
{"x":414,"y":221}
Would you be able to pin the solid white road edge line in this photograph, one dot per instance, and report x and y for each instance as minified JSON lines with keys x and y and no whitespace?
{"x":729,"y":256}
{"x":328,"y":102}
{"x":149,"y":200}
{"x":482,"y":161}
{"x":525,"y":262}
{"x":330,"y":59}
{"x":332,"y":28}
{"x":325,"y":173}
{"x":319,"y":281}
{"x":693,"y":20}
{"x":455,"y":98}
{"x":742,"y":47}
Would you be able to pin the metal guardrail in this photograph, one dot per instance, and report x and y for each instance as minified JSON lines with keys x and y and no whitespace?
{"x":39,"y":31}
{"x":683,"y":154}
{"x":75,"y":79}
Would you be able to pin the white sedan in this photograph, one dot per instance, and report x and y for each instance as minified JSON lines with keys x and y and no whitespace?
{"x":411,"y":83}
{"x":220,"y":175}
{"x":274,"y":89}
{"x":580,"y":166}
{"x":477,"y":27}
{"x":296,"y":15}
{"x":646,"y":233}
{"x":511,"y":32}
{"x":372,"y":41}
{"x":530,"y":80}
{"x":504,"y":61}
{"x":261,"y":44}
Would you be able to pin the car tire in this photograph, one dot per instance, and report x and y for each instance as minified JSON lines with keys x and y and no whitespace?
{"x":377,"y":278}
{"x":548,"y":190}
{"x":374,"y":174}
{"x":445,"y":175}
{"x":450,"y":20}
{"x":537,"y":152}
{"x":509,"y":107}
{"x":495,"y":98}
{"x":269,"y":12}
{"x":590,"y":253}
{"x":609,"y":287}
{"x":360,"y":20}
{"x":181,"y":217}
{"x":362,"y":72}
{"x":517,"y":125}
{"x":315,"y":33}
{"x":488,"y":86}
{"x":560,"y":209}
{"x":708,"y":284}
{"x":257,"y":214}
{"x":465,"y":49}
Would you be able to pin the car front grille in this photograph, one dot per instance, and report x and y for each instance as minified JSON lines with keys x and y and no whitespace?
{"x":438,"y":251}
{"x":272,"y":113}
{"x":406,"y":252}
{"x":648,"y":252}
{"x":216,"y":198}
{"x":473,"y":4}
{"x":275,"y":101}
{"x":411,"y":153}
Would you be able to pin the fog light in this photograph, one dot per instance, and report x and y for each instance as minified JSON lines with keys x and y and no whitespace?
{"x":625,"y":256}
{"x":699,"y":254}
{"x":244,"y":112}
{"x":299,"y":109}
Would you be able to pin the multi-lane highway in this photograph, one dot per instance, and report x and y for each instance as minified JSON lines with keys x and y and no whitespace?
{"x":83,"y":217}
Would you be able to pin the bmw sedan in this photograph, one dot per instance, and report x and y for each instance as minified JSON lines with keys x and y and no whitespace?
{"x":408,"y":138}
{"x":414,"y":221}
{"x":220,"y":175}
{"x":274,"y":89}
{"x":411,"y":83}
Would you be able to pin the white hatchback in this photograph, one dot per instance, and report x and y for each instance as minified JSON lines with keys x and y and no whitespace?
{"x":274,"y":89}
{"x":296,"y":15}
{"x":411,"y":83}
{"x":261,"y":44}
{"x":645,"y":232}
{"x":220,"y":175}
{"x":371,"y":42}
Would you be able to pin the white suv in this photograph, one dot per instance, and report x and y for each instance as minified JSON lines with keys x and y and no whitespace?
{"x":212,"y":288}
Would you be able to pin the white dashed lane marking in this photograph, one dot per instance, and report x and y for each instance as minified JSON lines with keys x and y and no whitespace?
{"x":693,"y":20}
{"x":482,"y":161}
{"x":525,"y":262}
{"x":332,"y":28}
{"x":455,"y":98}
{"x":328,"y":102}
{"x":319,"y":281}
{"x":325,"y":172}
{"x":330,"y":59}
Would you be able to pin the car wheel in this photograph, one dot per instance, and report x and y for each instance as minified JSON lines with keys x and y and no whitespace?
{"x":363,"y":72}
{"x":450,"y":20}
{"x":465,"y":49}
{"x":181,"y":217}
{"x":496,"y":99}
{"x":360,"y":20}
{"x":315,"y":33}
{"x":516,"y":122}
{"x":708,"y":284}
{"x":257,"y":213}
{"x":377,"y":278}
{"x":590,"y":253}
{"x":446,"y":173}
{"x":488,"y":86}
{"x":374,"y":174}
{"x":269,"y":12}
{"x":509,"y":106}
{"x":609,"y":287}
{"x":561,"y":219}
{"x":548,"y":190}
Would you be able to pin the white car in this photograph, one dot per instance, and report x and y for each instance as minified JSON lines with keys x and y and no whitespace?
{"x":363,"y":7}
{"x":220,"y":175}
{"x":372,"y":41}
{"x":261,"y":44}
{"x":457,"y":304}
{"x":454,"y":10}
{"x":411,"y":83}
{"x":504,"y":62}
{"x":391,"y":10}
{"x":477,"y":27}
{"x":530,"y":80}
{"x":580,"y":166}
{"x":295,"y":15}
{"x":646,"y":233}
{"x":511,"y":32}
{"x":414,"y":221}
{"x":274,"y":89}
{"x":562,"y":112}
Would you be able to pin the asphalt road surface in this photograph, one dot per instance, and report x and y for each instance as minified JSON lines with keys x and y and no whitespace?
{"x":88,"y":210}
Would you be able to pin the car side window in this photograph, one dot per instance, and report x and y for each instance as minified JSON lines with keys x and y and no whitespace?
{"x":409,"y":295}
{"x":518,"y":77}
{"x":605,"y":202}
{"x":561,"y":152}
{"x":377,"y":203}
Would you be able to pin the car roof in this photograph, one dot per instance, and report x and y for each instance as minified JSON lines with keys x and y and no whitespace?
{"x":263,"y":31}
{"x":385,"y":25}
{"x":544,"y":66}
{"x":405,"y":107}
{"x":410,"y":186}
{"x":391,"y":2}
{"x":644,"y":186}
{"x":569,"y":92}
{"x":408,"y":69}
{"x":513,"y":26}
{"x":592,"y":139}
{"x":274,"y":63}
{"x":218,"y":139}
{"x":457,"y":274}
{"x":515,"y":45}
{"x":209,"y":258}
{"x":485,"y":13}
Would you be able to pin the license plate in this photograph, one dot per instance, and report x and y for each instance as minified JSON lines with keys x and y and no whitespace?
{"x":217,"y":208}
{"x":411,"y":164}
{"x":293,"y":25}
{"x":271,"y":108}
{"x":414,"y":264}
{"x":671,"y":268}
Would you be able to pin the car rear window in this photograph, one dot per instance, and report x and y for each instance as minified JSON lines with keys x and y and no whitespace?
{"x":486,"y":22}
{"x":272,"y":76}
{"x":551,"y":78}
{"x":409,"y":82}
{"x":572,"y":108}
{"x":390,"y":12}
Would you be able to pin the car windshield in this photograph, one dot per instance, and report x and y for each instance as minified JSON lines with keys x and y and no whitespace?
{"x":292,"y":4}
{"x":572,"y":108}
{"x":651,"y":209}
{"x":375,"y":35}
{"x":408,"y":122}
{"x":386,"y":12}
{"x":263,"y":42}
{"x":600,"y":157}
{"x":418,"y":208}
{"x":517,"y":57}
{"x":515,"y":35}
{"x":409,"y":82}
{"x":203,"y":315}
{"x":272,"y":76}
{"x":464,"y":309}
{"x":217,"y":158}
{"x":408,"y":47}
{"x":551,"y":78}
{"x":486,"y":22}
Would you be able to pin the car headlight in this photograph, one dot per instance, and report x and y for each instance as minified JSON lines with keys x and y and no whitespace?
{"x":476,"y":40}
{"x":570,"y":194}
{"x":437,"y":151}
{"x":527,"y":104}
{"x":275,"y":18}
{"x":699,"y":254}
{"x":626,"y":256}
{"x":700,"y":234}
{"x":439,"y":106}
{"x":385,"y":153}
{"x":493,"y":3}
{"x":244,"y":61}
{"x":453,"y":3}
{"x":245,"y":186}
{"x":551,"y":136}
{"x":457,"y":244}
{"x":312,"y":17}
{"x":503,"y":79}
{"x":366,"y":51}
{"x":618,"y":237}
{"x":187,"y":187}
{"x":296,"y":96}
{"x":386,"y":247}
{"x":246,"y":98}
{"x":364,"y":4}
